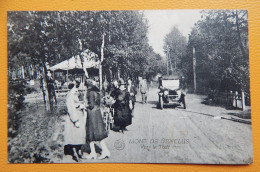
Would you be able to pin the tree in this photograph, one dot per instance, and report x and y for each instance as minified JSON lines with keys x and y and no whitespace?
{"x":221,"y":43}
{"x":34,"y":34}
{"x":175,"y":47}
{"x":41,"y":38}
{"x":156,"y":65}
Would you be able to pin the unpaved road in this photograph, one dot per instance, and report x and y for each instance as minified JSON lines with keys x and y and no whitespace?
{"x":175,"y":135}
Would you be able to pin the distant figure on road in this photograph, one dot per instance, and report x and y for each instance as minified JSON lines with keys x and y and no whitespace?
{"x":144,"y":90}
{"x":160,"y":82}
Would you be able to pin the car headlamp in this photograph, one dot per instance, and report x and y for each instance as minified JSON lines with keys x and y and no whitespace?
{"x":166,"y":92}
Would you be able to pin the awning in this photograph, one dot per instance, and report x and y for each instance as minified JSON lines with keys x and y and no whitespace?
{"x":90,"y":61}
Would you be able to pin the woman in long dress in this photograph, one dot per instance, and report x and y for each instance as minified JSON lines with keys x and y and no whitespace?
{"x":74,"y":133}
{"x":123,"y":116}
{"x":95,"y":127}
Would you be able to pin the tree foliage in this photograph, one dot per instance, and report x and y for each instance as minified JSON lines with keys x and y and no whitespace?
{"x":220,"y":39}
{"x":40,"y":37}
{"x":37,"y":39}
{"x":175,"y":47}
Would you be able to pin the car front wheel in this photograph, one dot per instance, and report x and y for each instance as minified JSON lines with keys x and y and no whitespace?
{"x":161,"y":102}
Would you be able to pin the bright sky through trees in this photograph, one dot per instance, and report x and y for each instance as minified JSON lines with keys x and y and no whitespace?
{"x":161,"y":21}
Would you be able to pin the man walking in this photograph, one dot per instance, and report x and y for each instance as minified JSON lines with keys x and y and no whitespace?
{"x":144,"y":90}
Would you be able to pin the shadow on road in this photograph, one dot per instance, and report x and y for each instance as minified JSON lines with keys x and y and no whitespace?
{"x":243,"y":114}
{"x":153,"y":102}
{"x":198,"y":113}
{"x":208,"y":102}
{"x":222,"y":117}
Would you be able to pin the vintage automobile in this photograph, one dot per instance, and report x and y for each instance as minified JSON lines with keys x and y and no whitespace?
{"x":170,"y":93}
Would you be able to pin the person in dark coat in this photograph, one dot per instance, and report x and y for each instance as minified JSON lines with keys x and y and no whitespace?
{"x":95,"y":127}
{"x":122,"y":116}
{"x":51,"y":89}
{"x":113,"y":89}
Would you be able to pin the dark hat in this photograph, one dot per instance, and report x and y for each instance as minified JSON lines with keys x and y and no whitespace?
{"x":70,"y":86}
{"x":90,"y":83}
{"x":121,"y":82}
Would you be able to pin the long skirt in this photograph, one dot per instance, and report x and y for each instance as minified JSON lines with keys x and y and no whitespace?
{"x":72,"y":134}
{"x":95,"y":126}
{"x":123,"y":115}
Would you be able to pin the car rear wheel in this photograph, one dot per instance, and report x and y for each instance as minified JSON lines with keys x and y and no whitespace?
{"x":184,"y":104}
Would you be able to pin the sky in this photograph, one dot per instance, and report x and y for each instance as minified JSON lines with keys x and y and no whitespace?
{"x":161,"y":21}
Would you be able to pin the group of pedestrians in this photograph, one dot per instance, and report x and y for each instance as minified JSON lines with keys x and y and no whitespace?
{"x":84,"y":123}
{"x":125,"y":98}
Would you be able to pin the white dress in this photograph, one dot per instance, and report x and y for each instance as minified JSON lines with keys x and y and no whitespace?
{"x":72,"y":134}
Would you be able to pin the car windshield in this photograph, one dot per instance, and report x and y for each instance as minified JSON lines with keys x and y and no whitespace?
{"x":171,"y":84}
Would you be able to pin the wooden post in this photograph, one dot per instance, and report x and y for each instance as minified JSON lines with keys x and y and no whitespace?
{"x":243,"y":100}
{"x":231,"y":99}
{"x":194,"y":70}
{"x":236,"y":93}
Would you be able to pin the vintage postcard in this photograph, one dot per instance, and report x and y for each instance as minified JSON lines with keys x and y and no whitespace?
{"x":147,"y":86}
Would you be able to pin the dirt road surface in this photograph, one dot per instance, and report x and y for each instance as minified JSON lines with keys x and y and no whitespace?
{"x":175,"y":135}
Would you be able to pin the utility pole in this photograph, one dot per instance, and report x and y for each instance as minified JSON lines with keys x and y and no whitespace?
{"x":194,"y":69}
{"x":175,"y":62}
{"x":170,"y":62}
{"x":167,"y":60}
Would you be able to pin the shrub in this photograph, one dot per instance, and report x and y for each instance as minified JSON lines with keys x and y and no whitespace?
{"x":16,"y":93}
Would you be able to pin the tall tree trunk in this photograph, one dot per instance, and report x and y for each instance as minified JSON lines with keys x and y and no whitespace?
{"x":22,"y":71}
{"x":83,"y":60}
{"x":46,"y":95}
{"x":31,"y":72}
{"x":239,"y":37}
{"x":14,"y":74}
{"x":83,"y":65}
{"x":194,"y":69}
{"x":101,"y":60}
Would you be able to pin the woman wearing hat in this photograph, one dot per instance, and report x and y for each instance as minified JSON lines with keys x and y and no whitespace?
{"x":95,"y":127}
{"x":74,"y":135}
{"x":122,"y":116}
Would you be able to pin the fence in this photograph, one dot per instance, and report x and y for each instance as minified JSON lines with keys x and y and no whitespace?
{"x":231,"y":100}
